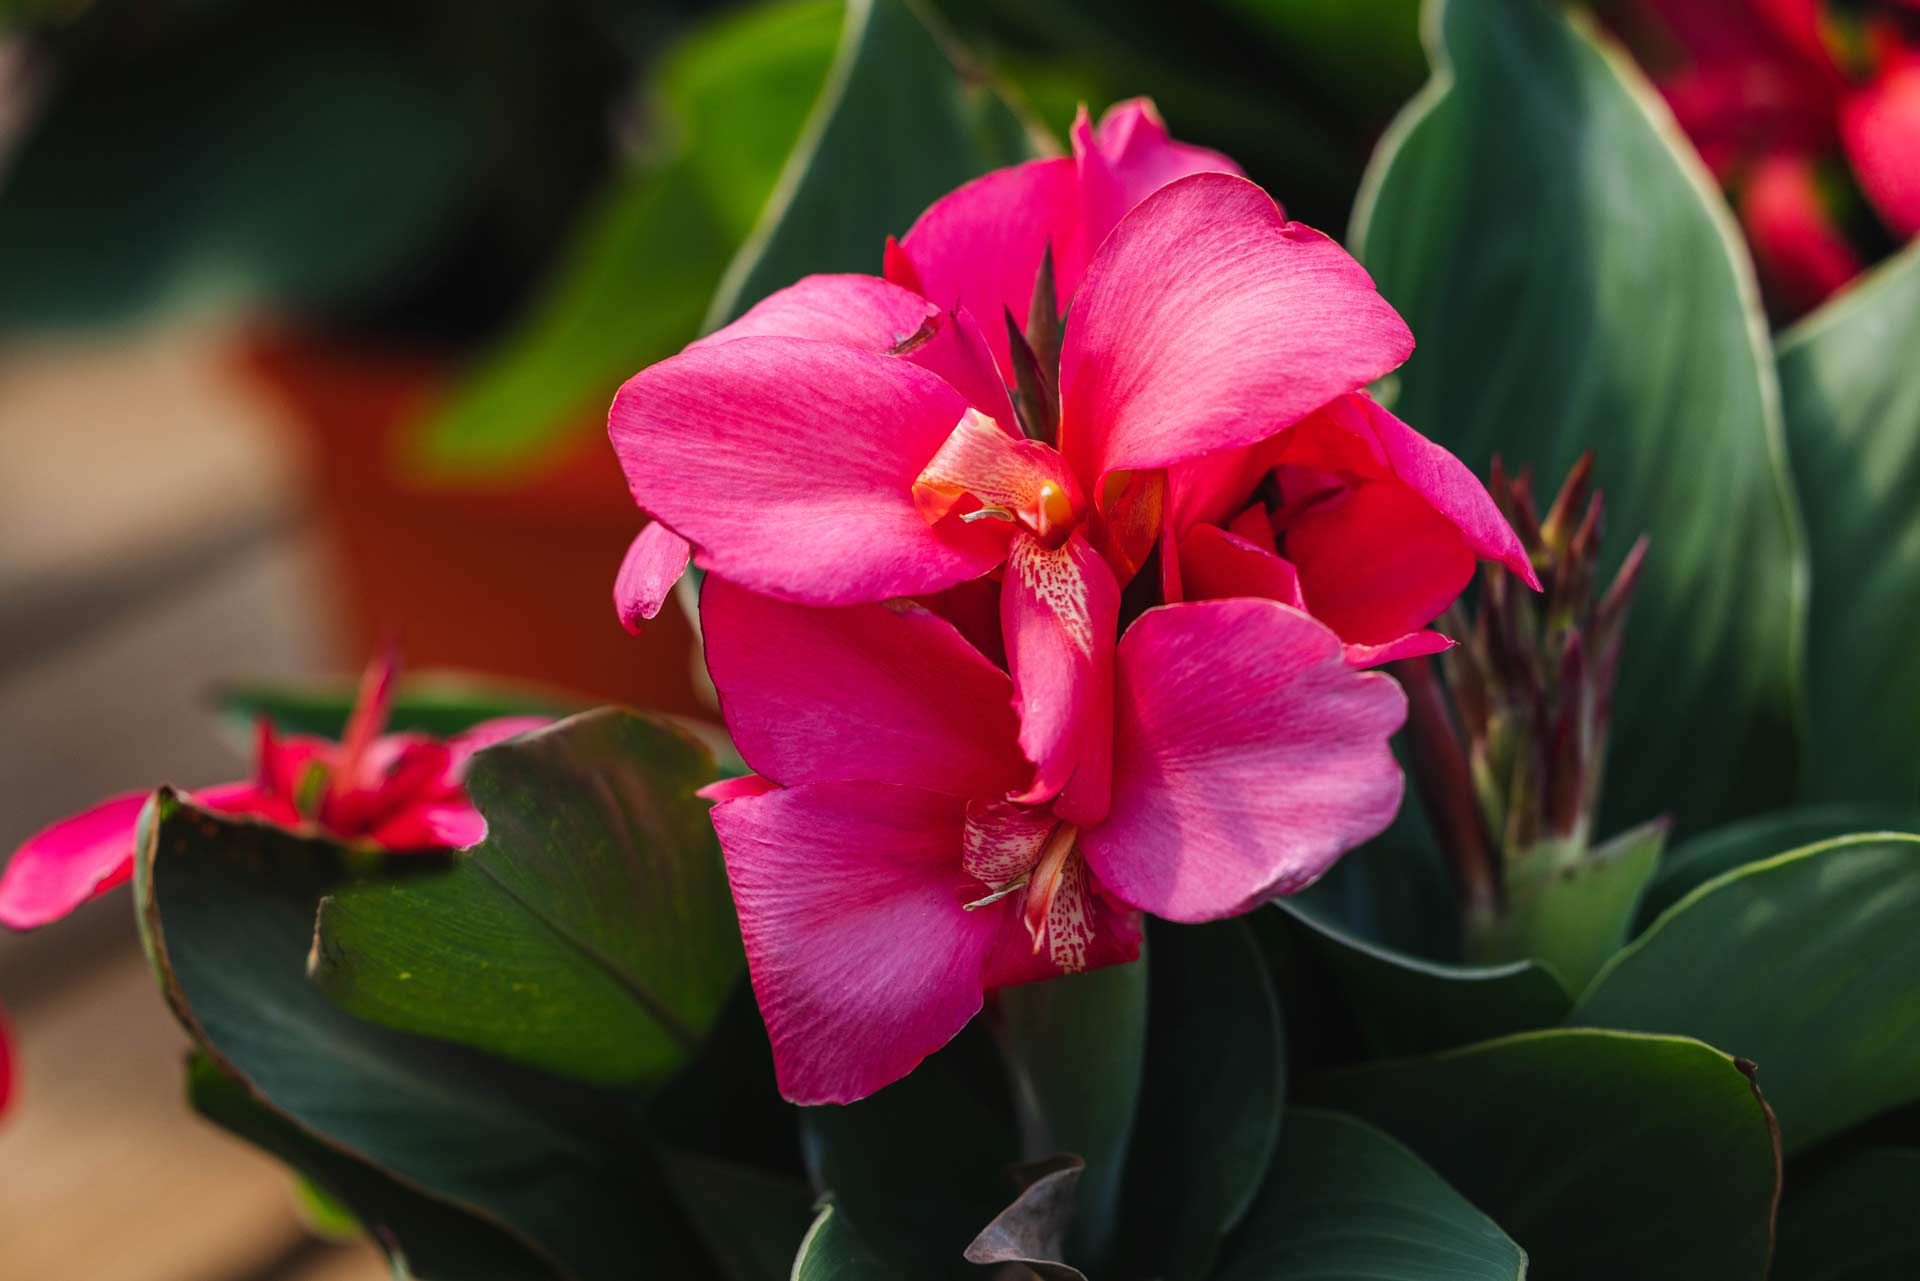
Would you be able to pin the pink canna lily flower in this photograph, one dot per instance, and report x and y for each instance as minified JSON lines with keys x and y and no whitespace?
{"x":852,"y":439}
{"x":1352,"y":516}
{"x":884,"y":879}
{"x":386,"y":791}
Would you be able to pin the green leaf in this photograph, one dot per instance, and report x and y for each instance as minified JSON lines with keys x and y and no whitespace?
{"x":431,"y":1239}
{"x":1575,"y":283}
{"x":1853,"y":423}
{"x":1346,"y":1201}
{"x":1725,"y":848}
{"x":1577,"y":914}
{"x":897,"y":127}
{"x":1803,"y":963}
{"x":307,"y":161}
{"x":636,"y":281}
{"x":1216,"y":1084}
{"x":440,"y":704}
{"x":1076,"y":1046}
{"x":591,"y":933}
{"x":226,"y":911}
{"x":833,"y":1251}
{"x":752,"y":1221}
{"x":1853,"y":1220}
{"x":1407,"y":1005}
{"x":918,"y":1167}
{"x":1603,"y":1154}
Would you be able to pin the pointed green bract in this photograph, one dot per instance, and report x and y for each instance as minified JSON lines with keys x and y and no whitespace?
{"x":833,"y":1251}
{"x":1575,"y":283}
{"x":1603,"y":1154}
{"x":1344,"y":1200}
{"x":1803,"y":963}
{"x":1852,"y":399}
{"x":591,"y":933}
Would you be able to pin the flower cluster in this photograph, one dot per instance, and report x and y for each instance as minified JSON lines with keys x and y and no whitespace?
{"x":1809,"y":112}
{"x":383,"y":791}
{"x":1042,"y":571}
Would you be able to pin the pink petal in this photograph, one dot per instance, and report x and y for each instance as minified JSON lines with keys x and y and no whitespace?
{"x":1445,"y":483}
{"x":249,"y":800}
{"x":1003,"y":841}
{"x":62,"y":866}
{"x":978,"y":248}
{"x":1060,"y":611}
{"x":1413,"y":645}
{"x":868,"y":693}
{"x":1009,"y":472}
{"x":973,"y":607}
{"x":449,"y":824}
{"x":653,"y":564}
{"x":863,"y":960}
{"x":790,"y":465}
{"x":723,"y":790}
{"x":1126,"y":160}
{"x":1880,"y":125}
{"x":1248,"y":757}
{"x":1376,"y":562}
{"x":871,"y":314}
{"x":1216,"y":563}
{"x":1208,"y":322}
{"x":476,"y":738}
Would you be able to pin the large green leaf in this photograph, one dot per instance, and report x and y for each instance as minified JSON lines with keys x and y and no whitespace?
{"x":1852,"y":402}
{"x":1724,"y":848}
{"x":1604,"y":1154}
{"x":1081,"y":1099}
{"x":1803,"y":963}
{"x":1346,"y":1202}
{"x":920,"y":1167}
{"x":752,"y":1221}
{"x":426,"y":1238}
{"x":1216,"y":1083}
{"x":1575,"y":283}
{"x":897,"y":126}
{"x":226,"y":910}
{"x":1408,"y":1005}
{"x":636,"y":281}
{"x":833,"y":1251}
{"x":1853,"y":1220}
{"x":306,"y":160}
{"x":591,"y":933}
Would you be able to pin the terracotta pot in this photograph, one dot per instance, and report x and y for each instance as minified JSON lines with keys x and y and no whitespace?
{"x":514,"y":580}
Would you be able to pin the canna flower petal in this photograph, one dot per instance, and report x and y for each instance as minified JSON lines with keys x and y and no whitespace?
{"x":1128,"y":158}
{"x":789,"y":464}
{"x":1247,"y":758}
{"x":1059,"y":611}
{"x":1208,"y":322}
{"x":860,"y":955}
{"x":978,"y":248}
{"x":653,"y":564}
{"x":1799,"y":250}
{"x":871,"y":314}
{"x":1880,"y":128}
{"x":865,"y":693}
{"x":62,"y":866}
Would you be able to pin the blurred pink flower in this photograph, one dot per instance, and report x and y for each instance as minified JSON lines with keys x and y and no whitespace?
{"x":884,"y":881}
{"x":388,"y":791}
{"x":1782,"y":97}
{"x":851,"y":438}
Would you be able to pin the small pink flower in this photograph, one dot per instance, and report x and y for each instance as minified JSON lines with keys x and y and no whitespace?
{"x":1352,"y":516}
{"x":884,"y":880}
{"x":851,"y":439}
{"x":386,"y":791}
